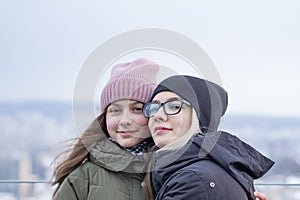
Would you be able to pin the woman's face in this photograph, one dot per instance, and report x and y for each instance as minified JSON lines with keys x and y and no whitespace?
{"x":126,"y":123}
{"x":166,"y":128}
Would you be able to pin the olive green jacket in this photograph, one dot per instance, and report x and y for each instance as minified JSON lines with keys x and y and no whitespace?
{"x":110,"y":173}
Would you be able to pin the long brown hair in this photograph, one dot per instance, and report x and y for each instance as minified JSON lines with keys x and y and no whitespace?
{"x":77,"y":152}
{"x":148,"y":181}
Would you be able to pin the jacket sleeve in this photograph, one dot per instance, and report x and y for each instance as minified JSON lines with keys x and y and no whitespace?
{"x":73,"y":188}
{"x":186,"y":185}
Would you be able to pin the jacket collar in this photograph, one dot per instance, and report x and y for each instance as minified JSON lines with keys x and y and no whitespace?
{"x":109,"y":155}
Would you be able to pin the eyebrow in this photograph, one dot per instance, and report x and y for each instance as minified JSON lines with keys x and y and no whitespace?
{"x":172,"y":98}
{"x":134,"y":103}
{"x":131,"y":103}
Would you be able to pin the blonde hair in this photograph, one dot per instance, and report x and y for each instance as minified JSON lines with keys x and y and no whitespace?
{"x":182,"y":140}
{"x":174,"y":145}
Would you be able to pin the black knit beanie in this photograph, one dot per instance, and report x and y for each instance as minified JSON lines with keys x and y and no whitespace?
{"x":207,"y":98}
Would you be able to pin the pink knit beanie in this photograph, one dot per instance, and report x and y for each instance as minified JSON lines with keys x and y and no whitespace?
{"x":135,"y":80}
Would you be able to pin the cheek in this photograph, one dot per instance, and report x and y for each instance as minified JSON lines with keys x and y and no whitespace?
{"x":180,"y":123}
{"x":151,"y":125}
{"x":141,"y":121}
{"x":186,"y":121}
{"x":111,"y":124}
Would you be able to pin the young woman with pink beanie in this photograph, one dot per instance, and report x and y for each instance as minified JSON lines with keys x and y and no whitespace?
{"x":107,"y":160}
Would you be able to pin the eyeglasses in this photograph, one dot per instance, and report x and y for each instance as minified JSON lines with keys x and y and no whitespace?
{"x":171,"y":107}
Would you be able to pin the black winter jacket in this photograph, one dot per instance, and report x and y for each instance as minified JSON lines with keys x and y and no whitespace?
{"x":211,"y":167}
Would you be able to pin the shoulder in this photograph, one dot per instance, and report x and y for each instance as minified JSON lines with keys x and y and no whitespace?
{"x":202,"y":172}
{"x":201,"y":180}
{"x":75,"y":186}
{"x":205,"y":168}
{"x":94,"y":173}
{"x":208,"y":172}
{"x":84,"y":170}
{"x":184,"y":184}
{"x":95,"y":182}
{"x":97,"y":175}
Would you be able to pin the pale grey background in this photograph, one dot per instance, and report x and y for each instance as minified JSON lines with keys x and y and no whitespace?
{"x":254,"y":45}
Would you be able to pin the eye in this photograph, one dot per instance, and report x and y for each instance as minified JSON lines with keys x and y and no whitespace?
{"x":137,"y":109}
{"x":114,"y":110}
{"x":174,"y":105}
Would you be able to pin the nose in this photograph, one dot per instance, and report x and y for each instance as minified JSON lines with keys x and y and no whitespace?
{"x":125,"y":118}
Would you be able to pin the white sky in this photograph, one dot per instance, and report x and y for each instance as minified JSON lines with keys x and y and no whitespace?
{"x":255,"y":45}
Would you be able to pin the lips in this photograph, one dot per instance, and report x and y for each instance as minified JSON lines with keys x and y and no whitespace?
{"x":125,"y":133}
{"x":161,"y":129}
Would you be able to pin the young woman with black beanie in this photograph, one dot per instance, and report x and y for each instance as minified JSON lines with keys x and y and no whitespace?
{"x":196,"y":161}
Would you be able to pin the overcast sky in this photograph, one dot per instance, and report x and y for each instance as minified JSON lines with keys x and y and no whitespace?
{"x":255,"y":45}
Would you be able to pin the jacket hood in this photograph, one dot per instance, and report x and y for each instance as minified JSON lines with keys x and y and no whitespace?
{"x":207,"y":98}
{"x":239,"y":159}
{"x":111,"y":156}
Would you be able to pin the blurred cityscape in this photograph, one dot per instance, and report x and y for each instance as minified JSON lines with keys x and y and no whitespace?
{"x":34,"y":133}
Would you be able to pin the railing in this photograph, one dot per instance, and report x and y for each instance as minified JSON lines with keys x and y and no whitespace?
{"x":25,"y":190}
{"x":278,"y":184}
{"x":49,"y":182}
{"x":25,"y":181}
{"x":274,"y":191}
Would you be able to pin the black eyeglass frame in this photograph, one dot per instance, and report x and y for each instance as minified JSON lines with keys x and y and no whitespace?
{"x":182,"y":101}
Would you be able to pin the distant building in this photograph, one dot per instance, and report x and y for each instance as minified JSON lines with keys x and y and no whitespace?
{"x":16,"y":167}
{"x":9,"y":171}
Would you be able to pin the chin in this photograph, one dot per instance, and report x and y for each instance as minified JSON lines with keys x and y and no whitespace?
{"x":127,"y":144}
{"x":160,"y":143}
